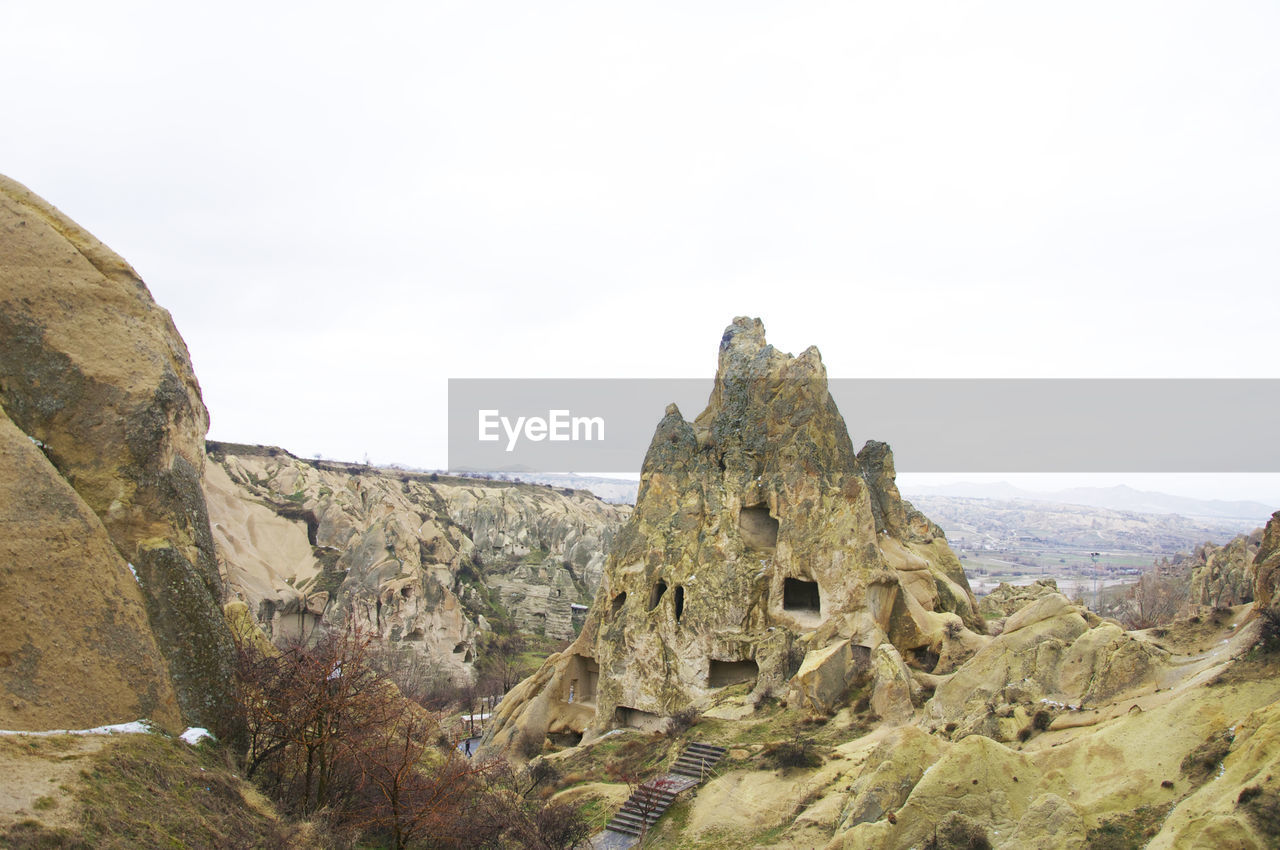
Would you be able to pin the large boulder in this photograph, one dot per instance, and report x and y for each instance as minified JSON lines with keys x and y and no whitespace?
{"x":94,"y":370}
{"x":76,"y":650}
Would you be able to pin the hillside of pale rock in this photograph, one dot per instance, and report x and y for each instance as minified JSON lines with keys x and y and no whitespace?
{"x":101,"y":454}
{"x":425,"y":561}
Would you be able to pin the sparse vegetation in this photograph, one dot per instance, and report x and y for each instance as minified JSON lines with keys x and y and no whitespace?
{"x":1129,"y":831}
{"x":1204,"y":760}
{"x":798,"y":752}
{"x":1262,"y":807}
{"x":958,"y":832}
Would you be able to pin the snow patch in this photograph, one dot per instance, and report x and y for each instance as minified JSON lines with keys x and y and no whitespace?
{"x":196,"y":734}
{"x":136,"y":727}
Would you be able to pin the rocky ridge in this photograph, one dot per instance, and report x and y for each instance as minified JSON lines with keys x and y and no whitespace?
{"x":423,"y":560}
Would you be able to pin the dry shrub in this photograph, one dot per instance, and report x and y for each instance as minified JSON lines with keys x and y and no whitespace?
{"x":799,"y":752}
{"x":958,"y":832}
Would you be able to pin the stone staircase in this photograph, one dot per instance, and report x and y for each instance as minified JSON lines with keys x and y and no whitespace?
{"x":697,"y":759}
{"x":648,"y":803}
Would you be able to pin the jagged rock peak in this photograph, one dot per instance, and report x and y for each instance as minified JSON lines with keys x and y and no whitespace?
{"x":757,"y":542}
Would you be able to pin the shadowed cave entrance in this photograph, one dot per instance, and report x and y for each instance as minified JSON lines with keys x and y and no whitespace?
{"x":759,"y":530}
{"x":581,"y":679}
{"x":800,"y":595}
{"x":655,"y":595}
{"x":634,"y":718}
{"x":723,"y":673}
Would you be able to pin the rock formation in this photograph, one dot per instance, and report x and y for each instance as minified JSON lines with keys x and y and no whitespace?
{"x":1266,"y":567}
{"x":421,"y":560}
{"x":761,"y":547}
{"x":1223,"y":575}
{"x":94,"y":373}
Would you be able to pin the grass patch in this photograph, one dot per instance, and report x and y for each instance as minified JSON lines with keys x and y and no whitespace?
{"x":615,"y":758}
{"x":1202,"y":762}
{"x":153,"y":791}
{"x":1128,"y":831}
{"x":1262,"y":807}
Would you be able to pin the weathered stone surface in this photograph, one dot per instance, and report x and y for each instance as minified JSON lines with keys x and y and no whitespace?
{"x":92,"y":368}
{"x":1215,"y":816}
{"x":76,"y":650}
{"x":308,"y":543}
{"x":758,"y":536}
{"x":1047,"y":652}
{"x":894,"y":768}
{"x":1266,"y":566}
{"x":1051,"y":823}
{"x":824,"y":678}
{"x":1224,"y":575}
{"x":1008,"y":598}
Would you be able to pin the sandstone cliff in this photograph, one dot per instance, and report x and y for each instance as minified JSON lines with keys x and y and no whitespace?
{"x":421,"y":560}
{"x":763,"y":551}
{"x":95,"y":374}
{"x":1223,"y":575}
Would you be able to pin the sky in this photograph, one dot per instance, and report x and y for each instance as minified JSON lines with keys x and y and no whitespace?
{"x":345,"y":206}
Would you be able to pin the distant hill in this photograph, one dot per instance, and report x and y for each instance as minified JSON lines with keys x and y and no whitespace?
{"x":1118,"y":498}
{"x":618,"y":491}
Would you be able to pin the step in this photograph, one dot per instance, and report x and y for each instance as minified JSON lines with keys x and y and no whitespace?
{"x":625,"y":830}
{"x":706,"y":748}
{"x":631,"y":819}
{"x":652,"y":812}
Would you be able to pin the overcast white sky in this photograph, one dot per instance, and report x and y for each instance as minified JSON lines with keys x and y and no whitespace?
{"x":345,"y":205}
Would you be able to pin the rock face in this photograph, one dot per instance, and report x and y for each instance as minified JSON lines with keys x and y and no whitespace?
{"x":1009,"y":598}
{"x":760,"y":541}
{"x":1266,"y":566}
{"x":62,"y":668}
{"x":1224,"y":575}
{"x":420,"y":560}
{"x":95,"y":372}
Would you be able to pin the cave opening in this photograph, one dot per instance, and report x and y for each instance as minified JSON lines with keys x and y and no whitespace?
{"x":655,"y":595}
{"x":618,"y":601}
{"x":679,"y":602}
{"x":801,"y":595}
{"x":723,"y":673}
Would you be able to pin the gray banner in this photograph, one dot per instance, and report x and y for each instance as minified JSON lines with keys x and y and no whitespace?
{"x":978,"y":425}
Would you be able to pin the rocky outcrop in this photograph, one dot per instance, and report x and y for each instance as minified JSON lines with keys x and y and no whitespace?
{"x":1266,"y":566}
{"x":1008,"y":598}
{"x":1051,"y":652}
{"x":1223,"y":576}
{"x":94,"y":372}
{"x":422,"y":560}
{"x":761,"y":545}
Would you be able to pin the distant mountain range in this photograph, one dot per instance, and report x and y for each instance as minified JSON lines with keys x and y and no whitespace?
{"x":1118,"y":498}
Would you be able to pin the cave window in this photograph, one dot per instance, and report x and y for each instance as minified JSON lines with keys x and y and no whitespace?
{"x":655,"y":596}
{"x":679,"y":602}
{"x":800,"y":595}
{"x":758,"y":528}
{"x":618,"y":602}
{"x":723,"y":673}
